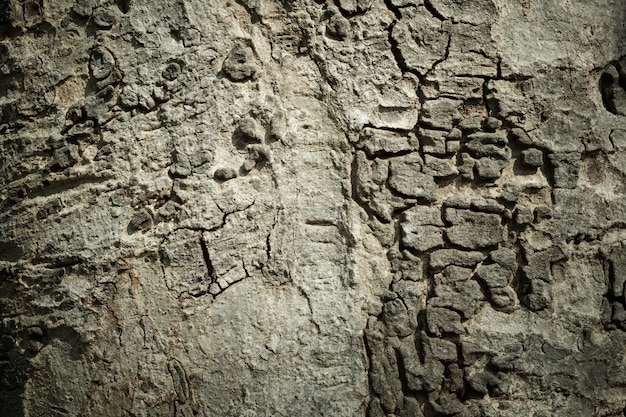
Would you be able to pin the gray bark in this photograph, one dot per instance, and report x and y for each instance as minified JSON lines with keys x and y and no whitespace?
{"x":312,"y":208}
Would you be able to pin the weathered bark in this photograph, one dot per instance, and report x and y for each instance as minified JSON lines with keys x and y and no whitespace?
{"x":306,"y":208}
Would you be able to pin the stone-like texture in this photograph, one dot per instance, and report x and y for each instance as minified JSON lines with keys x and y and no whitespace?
{"x":340,"y":208}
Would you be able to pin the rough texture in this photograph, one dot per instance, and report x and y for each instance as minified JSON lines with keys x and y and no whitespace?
{"x":312,"y":208}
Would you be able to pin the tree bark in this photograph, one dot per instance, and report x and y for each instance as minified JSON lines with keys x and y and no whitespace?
{"x":305,"y":208}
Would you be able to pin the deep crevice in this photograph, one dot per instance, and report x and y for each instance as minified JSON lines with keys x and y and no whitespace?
{"x":433,"y":11}
{"x":207,"y":260}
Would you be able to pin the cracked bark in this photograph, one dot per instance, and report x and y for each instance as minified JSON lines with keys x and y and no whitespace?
{"x":420,"y":204}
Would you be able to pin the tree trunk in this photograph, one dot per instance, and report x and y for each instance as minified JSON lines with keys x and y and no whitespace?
{"x":312,"y":208}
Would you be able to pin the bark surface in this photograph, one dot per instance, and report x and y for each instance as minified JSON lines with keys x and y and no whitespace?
{"x":399,"y":208}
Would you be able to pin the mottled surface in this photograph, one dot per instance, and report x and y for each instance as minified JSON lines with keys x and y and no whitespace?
{"x":312,"y":208}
